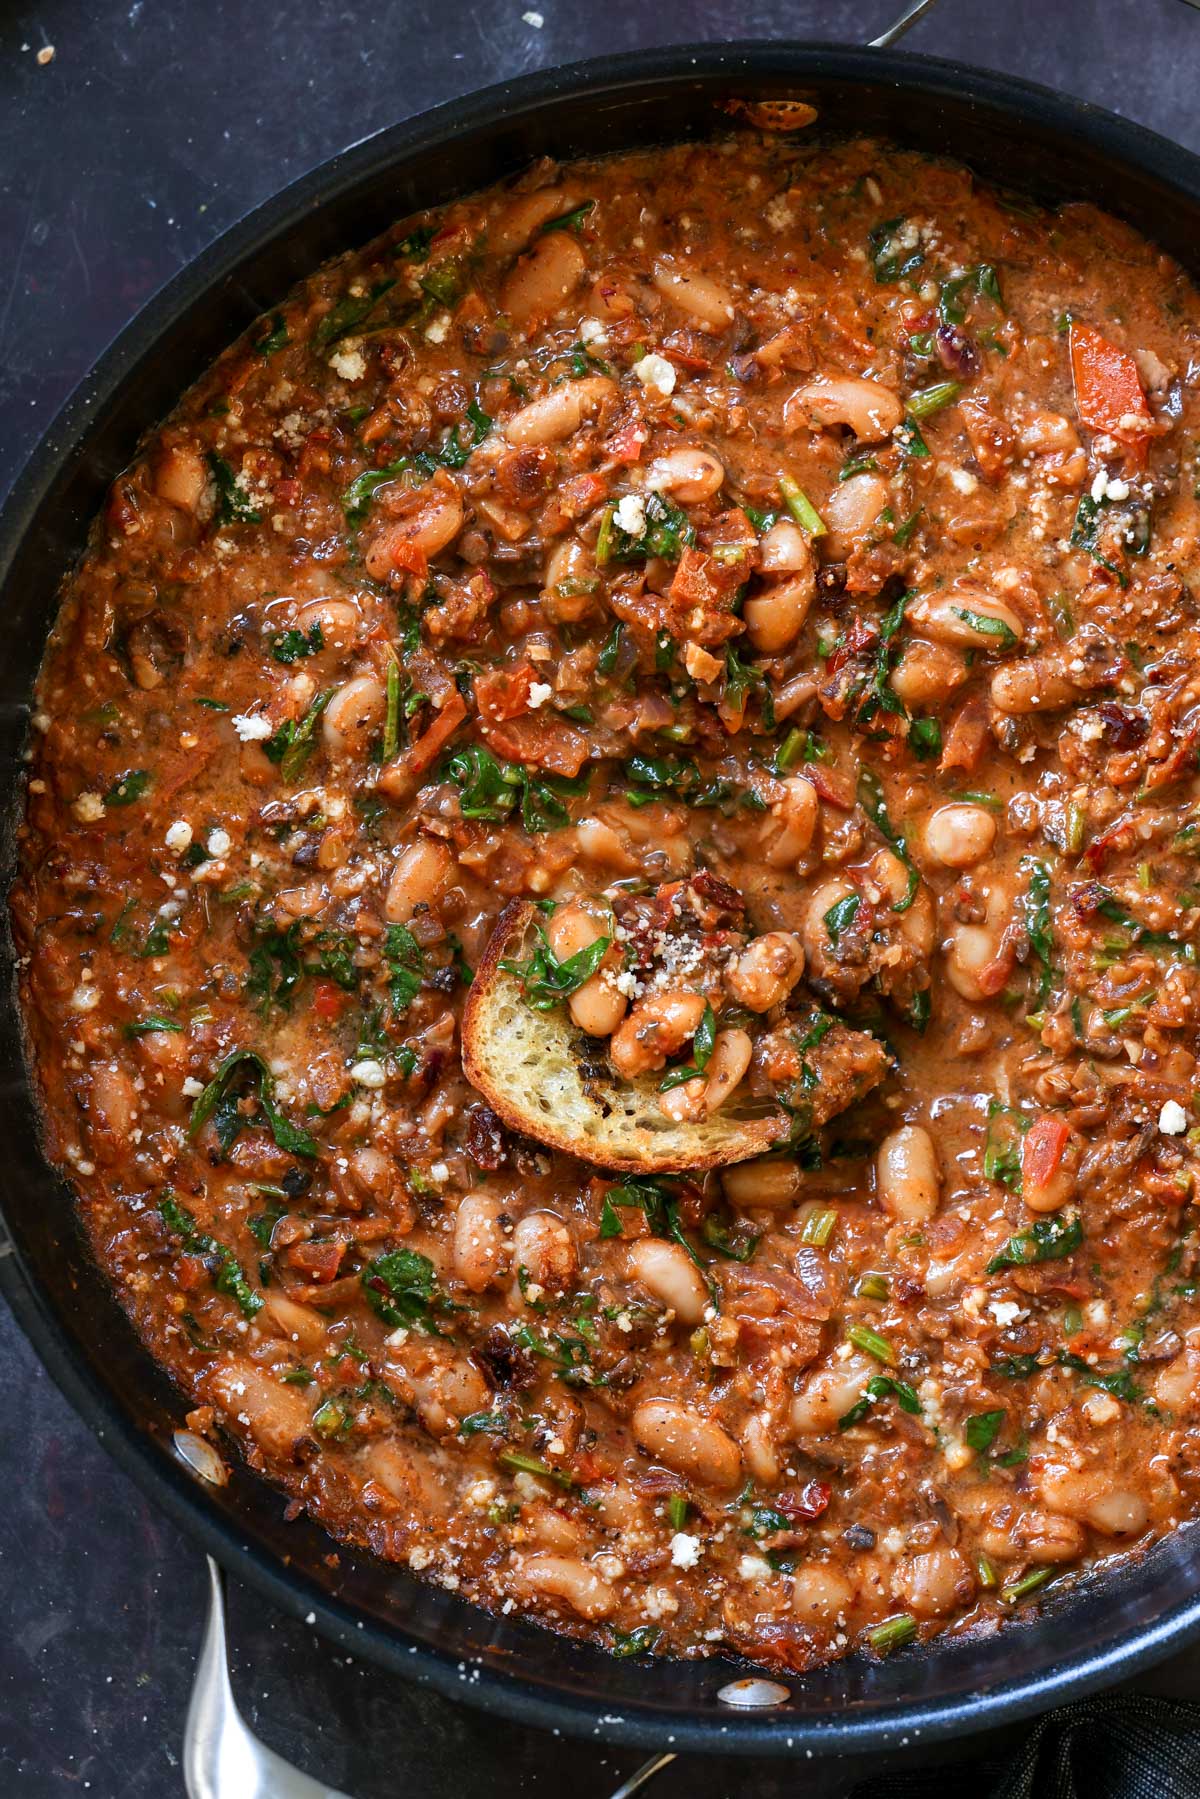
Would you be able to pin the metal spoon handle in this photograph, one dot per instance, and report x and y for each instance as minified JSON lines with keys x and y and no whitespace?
{"x":222,"y":1758}
{"x":905,"y":22}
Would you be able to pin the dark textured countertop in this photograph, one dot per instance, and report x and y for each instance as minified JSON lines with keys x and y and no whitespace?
{"x":153,"y":127}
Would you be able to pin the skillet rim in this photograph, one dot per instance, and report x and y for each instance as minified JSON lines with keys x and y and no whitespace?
{"x":1134,"y":149}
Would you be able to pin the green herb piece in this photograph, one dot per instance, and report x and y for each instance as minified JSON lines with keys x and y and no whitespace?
{"x":518,"y":1462}
{"x":801,"y":507}
{"x":275,"y":338}
{"x":494,"y":1423}
{"x":570,"y":221}
{"x":222,"y":1263}
{"x":356,"y":500}
{"x":841,"y":916}
{"x":416,"y":243}
{"x":293,"y":644}
{"x":1117,"y":1381}
{"x":819,"y":1226}
{"x":857,"y":465}
{"x":879,"y":1387}
{"x":677,"y":1510}
{"x":545,"y":981}
{"x":987,"y":626}
{"x":352,"y":311}
{"x":457,"y":448}
{"x":1059,"y":607}
{"x":741,"y":680}
{"x":879,"y":696}
{"x":392,"y":720}
{"x":292,"y":744}
{"x":128,"y":787}
{"x":1016,"y":1367}
{"x":895,"y":250}
{"x":912,"y":444}
{"x":904,"y":531}
{"x":233,"y":502}
{"x":401,"y":1288}
{"x":1085,"y":535}
{"x":985,"y":1569}
{"x":1046,"y":1240}
{"x":202,"y":699}
{"x":872,"y":1286}
{"x":981,"y":1430}
{"x":864,"y":1338}
{"x":893,"y":1633}
{"x":1016,"y":1590}
{"x":640,"y":1641}
{"x":153,"y":1021}
{"x":219,"y":1101}
{"x":982,"y":279}
{"x":606,"y":662}
{"x":406,"y":967}
{"x":667,"y":532}
{"x":925,"y":739}
{"x":1039,"y":925}
{"x":870,"y":798}
{"x":729,"y":1239}
{"x":928,"y":400}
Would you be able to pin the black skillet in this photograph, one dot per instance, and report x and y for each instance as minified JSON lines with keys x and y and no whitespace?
{"x":1030,"y":139}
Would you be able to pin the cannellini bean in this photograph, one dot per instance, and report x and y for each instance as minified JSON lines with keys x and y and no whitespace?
{"x":758,"y":1449}
{"x":668,"y":1272}
{"x":114,"y":1104}
{"x":339,"y":621}
{"x":1046,"y":1538}
{"x":1047,"y":433}
{"x":447,"y":1388}
{"x":432,"y":518}
{"x":776,"y":614}
{"x":559,"y":413}
{"x":181,"y":476}
{"x":785,"y":549}
{"x":597,"y":1007}
{"x":563,"y":1577}
{"x":480,"y":1253}
{"x":969,"y":618}
{"x":828,"y":1395}
{"x":569,"y":566}
{"x":690,"y":1444}
{"x":1090,"y":1496}
{"x":788,"y":832}
{"x":354,"y":716}
{"x":406,"y":1475}
{"x":541,"y":281}
{"x":619,"y":1507}
{"x":599,"y":842}
{"x":543,"y":1246}
{"x":689,"y":475}
{"x":908,"y":1181}
{"x":934,"y":1583}
{"x":1035,"y":685}
{"x":704,"y":299}
{"x":516,"y":223}
{"x":656,"y":1028}
{"x":960,"y":835}
{"x":820,"y":1595}
{"x":299,"y":1323}
{"x":916,"y":922}
{"x":1049,"y":1164}
{"x":693,"y":1100}
{"x":278,"y":1416}
{"x":1177,"y":1386}
{"x":772,"y":1182}
{"x":815,"y":934}
{"x":973,"y":948}
{"x":851,"y":513}
{"x":766,"y":971}
{"x":419,"y":878}
{"x":927,"y":672}
{"x":871,"y":410}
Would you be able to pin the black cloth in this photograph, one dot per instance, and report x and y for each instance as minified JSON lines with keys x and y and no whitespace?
{"x":1117,"y":1746}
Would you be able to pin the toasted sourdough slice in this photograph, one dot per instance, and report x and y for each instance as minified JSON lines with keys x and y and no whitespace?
{"x":529,"y":1066}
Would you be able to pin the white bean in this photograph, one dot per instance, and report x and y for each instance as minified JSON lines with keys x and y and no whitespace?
{"x":960,"y":835}
{"x":541,"y":281}
{"x":690,"y":1444}
{"x":704,"y":299}
{"x":933,"y":1583}
{"x":871,"y":410}
{"x":785,"y":549}
{"x":513,"y":227}
{"x":563,"y":1577}
{"x":828,"y":1395}
{"x":775,"y":615}
{"x":927,"y":673}
{"x":852,"y":514}
{"x":690,"y":475}
{"x":542,"y":1245}
{"x":772,"y":1182}
{"x":788,"y":833}
{"x":766,"y":971}
{"x":419,"y":878}
{"x":969,"y":618}
{"x":973,"y":948}
{"x":354,"y":716}
{"x":908,"y":1181}
{"x":480,"y":1253}
{"x":668,"y":1272}
{"x":597,"y":1007}
{"x":1035,"y":685}
{"x":820,"y":1595}
{"x":555,"y":415}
